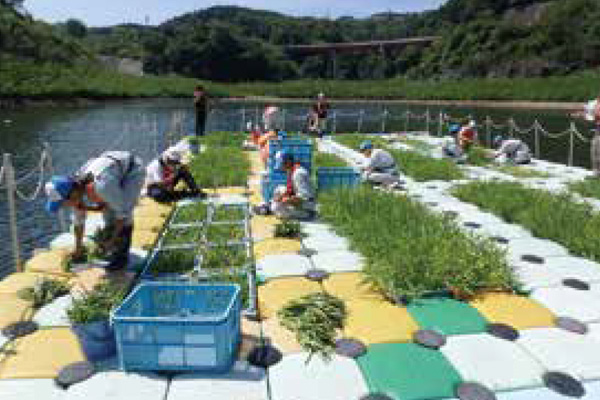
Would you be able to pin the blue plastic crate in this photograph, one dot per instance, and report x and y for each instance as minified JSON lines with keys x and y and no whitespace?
{"x":304,"y":159}
{"x":300,"y":149}
{"x":270,"y":182}
{"x":333,"y":177}
{"x":178,"y":327}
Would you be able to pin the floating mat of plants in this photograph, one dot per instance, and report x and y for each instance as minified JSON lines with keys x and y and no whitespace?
{"x":191,"y":213}
{"x":181,"y":236}
{"x":378,"y":321}
{"x":225,"y":232}
{"x":277,"y":292}
{"x":447,"y":316}
{"x":497,"y":364}
{"x":229,"y":213}
{"x":178,"y":261}
{"x":562,"y":351}
{"x":408,"y":371}
{"x":517,"y":311}
{"x":35,"y":356}
{"x":223,"y":256}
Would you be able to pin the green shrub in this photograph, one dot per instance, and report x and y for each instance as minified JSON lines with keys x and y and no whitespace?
{"x":409,"y":250}
{"x":558,"y":217}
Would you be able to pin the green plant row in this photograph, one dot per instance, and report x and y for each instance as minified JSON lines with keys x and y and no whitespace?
{"x":412,"y":163}
{"x":409,"y":250}
{"x":587,"y":188}
{"x":220,"y":167}
{"x":558,"y":217}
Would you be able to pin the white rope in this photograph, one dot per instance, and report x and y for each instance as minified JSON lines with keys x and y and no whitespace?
{"x":578,"y":134}
{"x":40,"y":183}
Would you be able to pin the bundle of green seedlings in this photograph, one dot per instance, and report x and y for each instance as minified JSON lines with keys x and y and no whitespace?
{"x":44,"y":291}
{"x":229,"y":213}
{"x":173,"y":262}
{"x":96,"y":304}
{"x":288,"y":228}
{"x":225,"y":232}
{"x":196,"y":212}
{"x":223,"y":256}
{"x":586,"y":188}
{"x":314,"y":319}
{"x":181,"y":236}
{"x":558,"y":217}
{"x":220,"y":167}
{"x":412,"y":163}
{"x":410,"y":250}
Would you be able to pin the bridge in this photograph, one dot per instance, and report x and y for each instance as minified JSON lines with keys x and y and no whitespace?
{"x":331,"y":50}
{"x":360,"y":46}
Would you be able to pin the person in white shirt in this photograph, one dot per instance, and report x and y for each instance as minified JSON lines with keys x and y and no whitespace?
{"x":164,"y":173}
{"x":295,"y":200}
{"x":272,"y":118}
{"x":110,"y":183}
{"x":380,"y":167}
{"x":513,"y":151}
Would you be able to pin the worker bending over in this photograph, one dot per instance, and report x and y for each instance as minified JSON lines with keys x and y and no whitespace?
{"x":164,"y":173}
{"x":380,"y":167}
{"x":512,"y":151}
{"x":110,"y":183}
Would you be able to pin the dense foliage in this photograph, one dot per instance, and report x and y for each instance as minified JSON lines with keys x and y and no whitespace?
{"x":573,"y":224}
{"x":409,"y":250}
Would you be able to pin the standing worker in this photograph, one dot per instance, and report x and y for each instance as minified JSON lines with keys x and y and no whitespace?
{"x":467,"y":136}
{"x":201,"y":107}
{"x":271,"y":117}
{"x":110,"y":183}
{"x":319,"y":115}
{"x":512,"y":151}
{"x":381,"y":166}
{"x":164,"y":173}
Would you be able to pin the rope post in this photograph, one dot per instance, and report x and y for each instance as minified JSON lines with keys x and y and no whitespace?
{"x":12,"y":210}
{"x":385,"y":113}
{"x":536,"y":133}
{"x":360,"y":121}
{"x":440,"y":124}
{"x":571,"y":145}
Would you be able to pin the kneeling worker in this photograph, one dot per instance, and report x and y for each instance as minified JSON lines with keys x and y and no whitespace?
{"x":513,"y":151}
{"x":296,"y":200}
{"x":164,"y":173}
{"x":380,"y":167}
{"x":110,"y":183}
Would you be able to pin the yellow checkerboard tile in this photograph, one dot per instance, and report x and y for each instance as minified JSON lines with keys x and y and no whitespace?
{"x":517,"y":311}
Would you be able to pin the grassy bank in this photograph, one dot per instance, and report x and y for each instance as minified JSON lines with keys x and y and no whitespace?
{"x":33,"y":80}
{"x":557,"y":217}
{"x":408,"y":249}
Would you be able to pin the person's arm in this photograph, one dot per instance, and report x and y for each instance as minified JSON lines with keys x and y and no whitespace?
{"x":79,"y":216}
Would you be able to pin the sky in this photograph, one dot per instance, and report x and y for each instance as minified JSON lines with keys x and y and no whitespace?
{"x":113,"y":12}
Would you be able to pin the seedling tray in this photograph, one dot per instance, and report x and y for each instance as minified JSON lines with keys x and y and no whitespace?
{"x":181,"y":236}
{"x":222,"y":256}
{"x":190,"y":213}
{"x":226,"y":232}
{"x":229,"y":213}
{"x":171,"y":264}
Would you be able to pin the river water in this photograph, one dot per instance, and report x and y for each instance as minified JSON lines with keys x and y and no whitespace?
{"x":76,"y":134}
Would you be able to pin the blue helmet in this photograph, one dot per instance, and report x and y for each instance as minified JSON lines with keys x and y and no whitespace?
{"x":454,"y":128}
{"x":365,"y":145}
{"x":58,"y":190}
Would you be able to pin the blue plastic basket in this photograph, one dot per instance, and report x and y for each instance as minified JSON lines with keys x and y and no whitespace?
{"x":333,"y":177}
{"x":178,"y":327}
{"x":270,"y":182}
{"x":300,"y":149}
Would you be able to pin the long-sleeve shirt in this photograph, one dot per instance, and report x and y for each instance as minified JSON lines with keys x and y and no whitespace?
{"x":301,"y":184}
{"x":381,"y":161}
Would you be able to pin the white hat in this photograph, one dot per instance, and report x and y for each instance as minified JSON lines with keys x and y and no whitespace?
{"x":172,"y":155}
{"x":321,"y":94}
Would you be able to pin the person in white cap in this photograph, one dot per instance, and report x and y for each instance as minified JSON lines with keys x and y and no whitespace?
{"x":511,"y":151}
{"x":380,"y":167}
{"x":110,"y":183}
{"x":164,"y":173}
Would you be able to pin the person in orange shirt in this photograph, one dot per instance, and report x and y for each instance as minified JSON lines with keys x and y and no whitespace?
{"x":263,"y":145}
{"x":110,"y":183}
{"x":467,"y":136}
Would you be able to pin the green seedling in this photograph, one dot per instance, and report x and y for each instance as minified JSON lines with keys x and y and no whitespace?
{"x":96,"y":304}
{"x":191,"y":213}
{"x":223,"y":256}
{"x":218,"y":233}
{"x":44,"y":291}
{"x":173,"y":262}
{"x":178,"y":236}
{"x":228,"y":213}
{"x":288,"y":229}
{"x":314,"y":319}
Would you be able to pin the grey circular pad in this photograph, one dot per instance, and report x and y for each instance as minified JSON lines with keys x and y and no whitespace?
{"x":563,"y":384}
{"x":430,"y":339}
{"x":474,"y":391}
{"x":74,"y":373}
{"x":264,"y":356}
{"x":532,"y":259}
{"x":576,"y":284}
{"x":503,"y":331}
{"x":19,"y":329}
{"x":317,"y":275}
{"x":571,"y":325}
{"x":350,"y":348}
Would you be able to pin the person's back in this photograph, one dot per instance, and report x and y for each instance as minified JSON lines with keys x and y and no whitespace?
{"x":302,"y":185}
{"x":381,"y":161}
